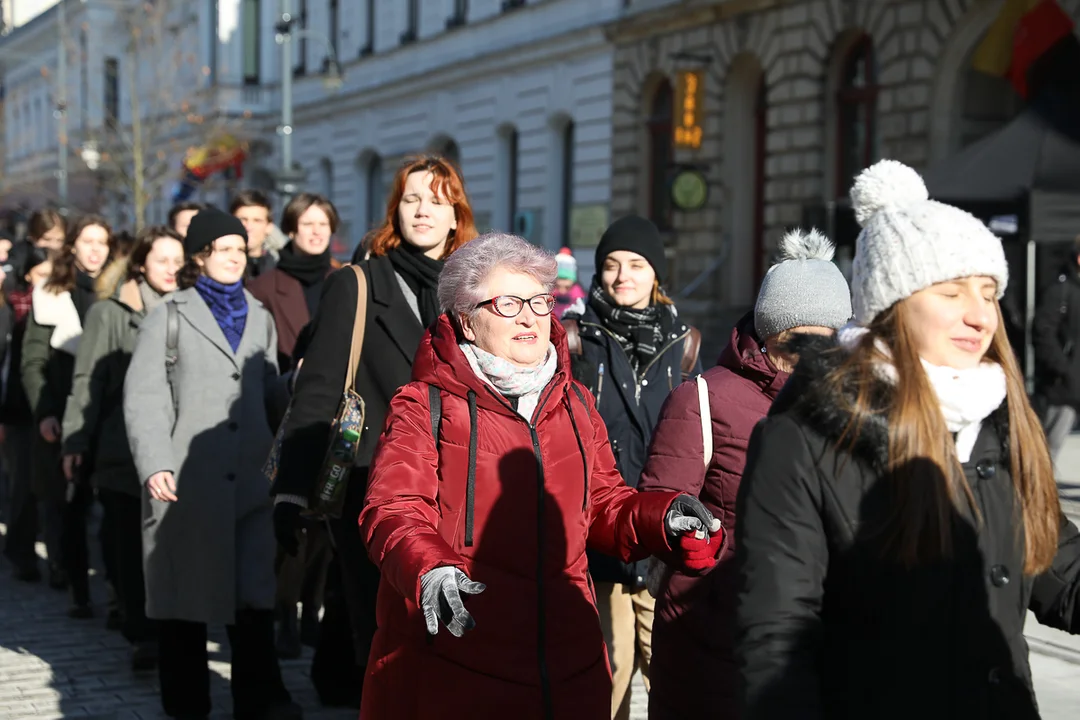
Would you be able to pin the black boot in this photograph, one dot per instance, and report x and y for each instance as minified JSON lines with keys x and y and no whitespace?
{"x":257,"y":689}
{"x":288,"y":634}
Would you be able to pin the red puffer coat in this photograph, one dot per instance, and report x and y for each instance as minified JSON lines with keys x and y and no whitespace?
{"x":541,"y":493}
{"x":693,"y":672}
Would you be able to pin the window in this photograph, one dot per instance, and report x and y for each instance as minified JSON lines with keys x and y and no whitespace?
{"x":856,"y":102}
{"x":368,"y":47}
{"x":507,"y":185}
{"x":512,"y":4}
{"x":301,"y":42}
{"x":375,"y":198}
{"x":326,"y":179}
{"x":334,"y":25}
{"x":460,"y":16}
{"x":412,"y":22}
{"x":567,"y":180}
{"x":84,"y":82}
{"x":112,"y":91}
{"x":252,"y":11}
{"x":661,"y":154}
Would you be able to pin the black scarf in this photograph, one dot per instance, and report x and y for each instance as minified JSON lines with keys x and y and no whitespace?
{"x":640,"y":332}
{"x":309,"y":270}
{"x":421,"y":274}
{"x":84,"y":294}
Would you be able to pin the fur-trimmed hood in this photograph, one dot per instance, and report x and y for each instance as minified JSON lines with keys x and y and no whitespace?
{"x":807,"y":397}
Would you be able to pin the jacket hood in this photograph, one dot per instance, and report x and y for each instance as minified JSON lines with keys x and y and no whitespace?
{"x":111,"y":279}
{"x":440,"y":362}
{"x":813,"y":403}
{"x":743,"y":356}
{"x":128,"y":295}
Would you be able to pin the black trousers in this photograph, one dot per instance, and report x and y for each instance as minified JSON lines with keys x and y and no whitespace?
{"x":184,"y":672}
{"x":301,"y":579}
{"x":22,"y":509}
{"x":352,"y":587}
{"x":74,"y":550}
{"x":123,"y":517}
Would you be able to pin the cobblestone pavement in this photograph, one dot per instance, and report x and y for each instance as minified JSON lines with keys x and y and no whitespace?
{"x":54,"y":667}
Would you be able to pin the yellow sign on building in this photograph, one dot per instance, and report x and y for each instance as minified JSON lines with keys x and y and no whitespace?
{"x":689,"y":97}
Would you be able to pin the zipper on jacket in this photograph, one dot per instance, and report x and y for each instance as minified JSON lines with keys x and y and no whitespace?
{"x":600,"y":385}
{"x":541,"y":615}
{"x":640,"y":376}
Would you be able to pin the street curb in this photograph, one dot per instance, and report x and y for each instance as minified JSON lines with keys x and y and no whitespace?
{"x":1047,"y":648}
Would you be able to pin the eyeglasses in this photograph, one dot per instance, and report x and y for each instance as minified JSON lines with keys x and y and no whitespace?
{"x":509,"y":306}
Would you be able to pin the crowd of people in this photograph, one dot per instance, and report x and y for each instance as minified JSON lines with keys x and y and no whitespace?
{"x":481,"y":488}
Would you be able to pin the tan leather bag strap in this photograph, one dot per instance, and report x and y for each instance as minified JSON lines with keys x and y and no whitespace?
{"x":573,"y":336}
{"x":691,"y":350}
{"x":358,"y":328}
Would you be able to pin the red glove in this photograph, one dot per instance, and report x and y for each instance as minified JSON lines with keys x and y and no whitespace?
{"x":698,"y":550}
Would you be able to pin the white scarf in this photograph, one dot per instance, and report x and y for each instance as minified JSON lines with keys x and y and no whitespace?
{"x":513,"y":380}
{"x":966,"y":397}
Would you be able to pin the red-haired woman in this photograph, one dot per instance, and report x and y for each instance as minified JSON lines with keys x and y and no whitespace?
{"x":427,"y":218}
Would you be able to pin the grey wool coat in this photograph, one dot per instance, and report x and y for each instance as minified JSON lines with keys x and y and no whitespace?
{"x":212,"y":551}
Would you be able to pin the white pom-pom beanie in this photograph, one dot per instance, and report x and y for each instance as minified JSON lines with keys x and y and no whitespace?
{"x":804,"y":287}
{"x":910,"y":242}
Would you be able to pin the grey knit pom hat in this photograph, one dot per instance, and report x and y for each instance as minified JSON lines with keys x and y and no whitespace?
{"x":803,"y":288}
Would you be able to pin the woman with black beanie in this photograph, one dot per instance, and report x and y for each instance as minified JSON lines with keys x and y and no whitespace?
{"x":53,"y":331}
{"x":631,"y":349}
{"x":427,"y":218}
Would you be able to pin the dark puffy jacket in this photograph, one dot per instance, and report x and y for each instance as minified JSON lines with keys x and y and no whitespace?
{"x":692,"y":643}
{"x":542,"y":491}
{"x":630,"y":406}
{"x":829,"y":627}
{"x":1056,"y":336}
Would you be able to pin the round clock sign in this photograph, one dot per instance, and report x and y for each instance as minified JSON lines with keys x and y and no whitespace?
{"x":689,"y":190}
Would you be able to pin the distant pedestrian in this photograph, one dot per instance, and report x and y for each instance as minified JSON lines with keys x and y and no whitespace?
{"x":30,"y":268}
{"x":693,"y":669}
{"x":47,"y":229}
{"x":199,"y":436}
{"x":253,"y":209}
{"x":479,"y":508}
{"x":898,"y":516}
{"x":95,"y":439}
{"x":567,"y":289}
{"x":53,"y":332}
{"x":180,"y":215}
{"x":1056,"y":335}
{"x":631,"y":349}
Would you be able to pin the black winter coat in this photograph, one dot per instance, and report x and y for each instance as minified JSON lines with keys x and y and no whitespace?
{"x":828,"y":628}
{"x":630,"y":407}
{"x":1056,"y":336}
{"x":392,"y":337}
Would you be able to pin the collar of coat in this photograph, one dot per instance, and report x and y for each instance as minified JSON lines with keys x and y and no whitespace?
{"x":440,"y":362}
{"x":811,"y":401}
{"x":57,"y":310}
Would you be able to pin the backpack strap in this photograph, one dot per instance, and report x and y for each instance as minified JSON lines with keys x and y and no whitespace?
{"x":706,"y":419}
{"x":435,"y":405}
{"x":573,"y":336}
{"x":691,"y":350}
{"x":172,"y":350}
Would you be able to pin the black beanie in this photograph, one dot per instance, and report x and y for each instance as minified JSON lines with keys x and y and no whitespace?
{"x":637,"y":235}
{"x":209,"y":225}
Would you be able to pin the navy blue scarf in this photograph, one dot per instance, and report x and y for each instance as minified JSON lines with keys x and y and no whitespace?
{"x":228,"y":305}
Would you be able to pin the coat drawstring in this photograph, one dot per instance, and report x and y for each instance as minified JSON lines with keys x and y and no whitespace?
{"x":470,"y":488}
{"x":580,"y":444}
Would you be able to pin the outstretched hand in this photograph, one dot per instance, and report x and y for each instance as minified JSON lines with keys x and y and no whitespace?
{"x":441,"y":601}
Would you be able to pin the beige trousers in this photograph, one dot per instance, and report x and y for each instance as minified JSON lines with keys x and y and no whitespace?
{"x":626,"y":619}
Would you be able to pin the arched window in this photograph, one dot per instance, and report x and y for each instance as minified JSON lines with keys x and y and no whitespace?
{"x":326,"y":179}
{"x":506,"y":186}
{"x":856,"y":102}
{"x":448,"y":149}
{"x":987,"y":103}
{"x":567,"y":181}
{"x":376,"y":193}
{"x":661,"y":154}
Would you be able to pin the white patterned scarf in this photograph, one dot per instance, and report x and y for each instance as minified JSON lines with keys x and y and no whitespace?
{"x":513,"y":381}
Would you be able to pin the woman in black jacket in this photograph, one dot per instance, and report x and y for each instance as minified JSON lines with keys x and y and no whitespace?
{"x":30,"y":266}
{"x":898,"y":516}
{"x":631,"y":349}
{"x":427,"y":218}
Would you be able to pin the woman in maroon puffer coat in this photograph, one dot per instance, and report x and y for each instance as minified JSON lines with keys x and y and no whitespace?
{"x":693,"y":667}
{"x":492,"y":474}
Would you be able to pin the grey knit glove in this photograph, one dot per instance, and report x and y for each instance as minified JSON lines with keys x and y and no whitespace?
{"x":440,"y":599}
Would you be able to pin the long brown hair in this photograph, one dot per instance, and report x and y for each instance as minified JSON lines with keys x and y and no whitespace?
{"x":446,"y":182}
{"x":927,"y":483}
{"x":63,"y":274}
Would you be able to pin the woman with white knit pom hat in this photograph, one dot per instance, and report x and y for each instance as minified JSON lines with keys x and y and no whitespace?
{"x":693,"y":672}
{"x":898,"y":516}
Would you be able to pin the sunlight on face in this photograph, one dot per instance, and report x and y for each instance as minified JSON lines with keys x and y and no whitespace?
{"x":313,"y":231}
{"x":164,"y":261}
{"x":91,"y":249}
{"x":522,"y":340}
{"x":628,"y":279}
{"x":954,"y":322}
{"x":425,"y":218}
{"x":227,"y":260}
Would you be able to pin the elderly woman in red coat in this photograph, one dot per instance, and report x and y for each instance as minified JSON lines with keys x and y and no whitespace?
{"x":693,"y":672}
{"x":492,"y":475}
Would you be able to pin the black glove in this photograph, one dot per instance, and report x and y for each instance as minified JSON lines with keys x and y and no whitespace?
{"x":287,"y":527}
{"x":687,"y":513}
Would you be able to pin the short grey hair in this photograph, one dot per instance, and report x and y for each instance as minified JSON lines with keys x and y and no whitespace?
{"x":463,"y":281}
